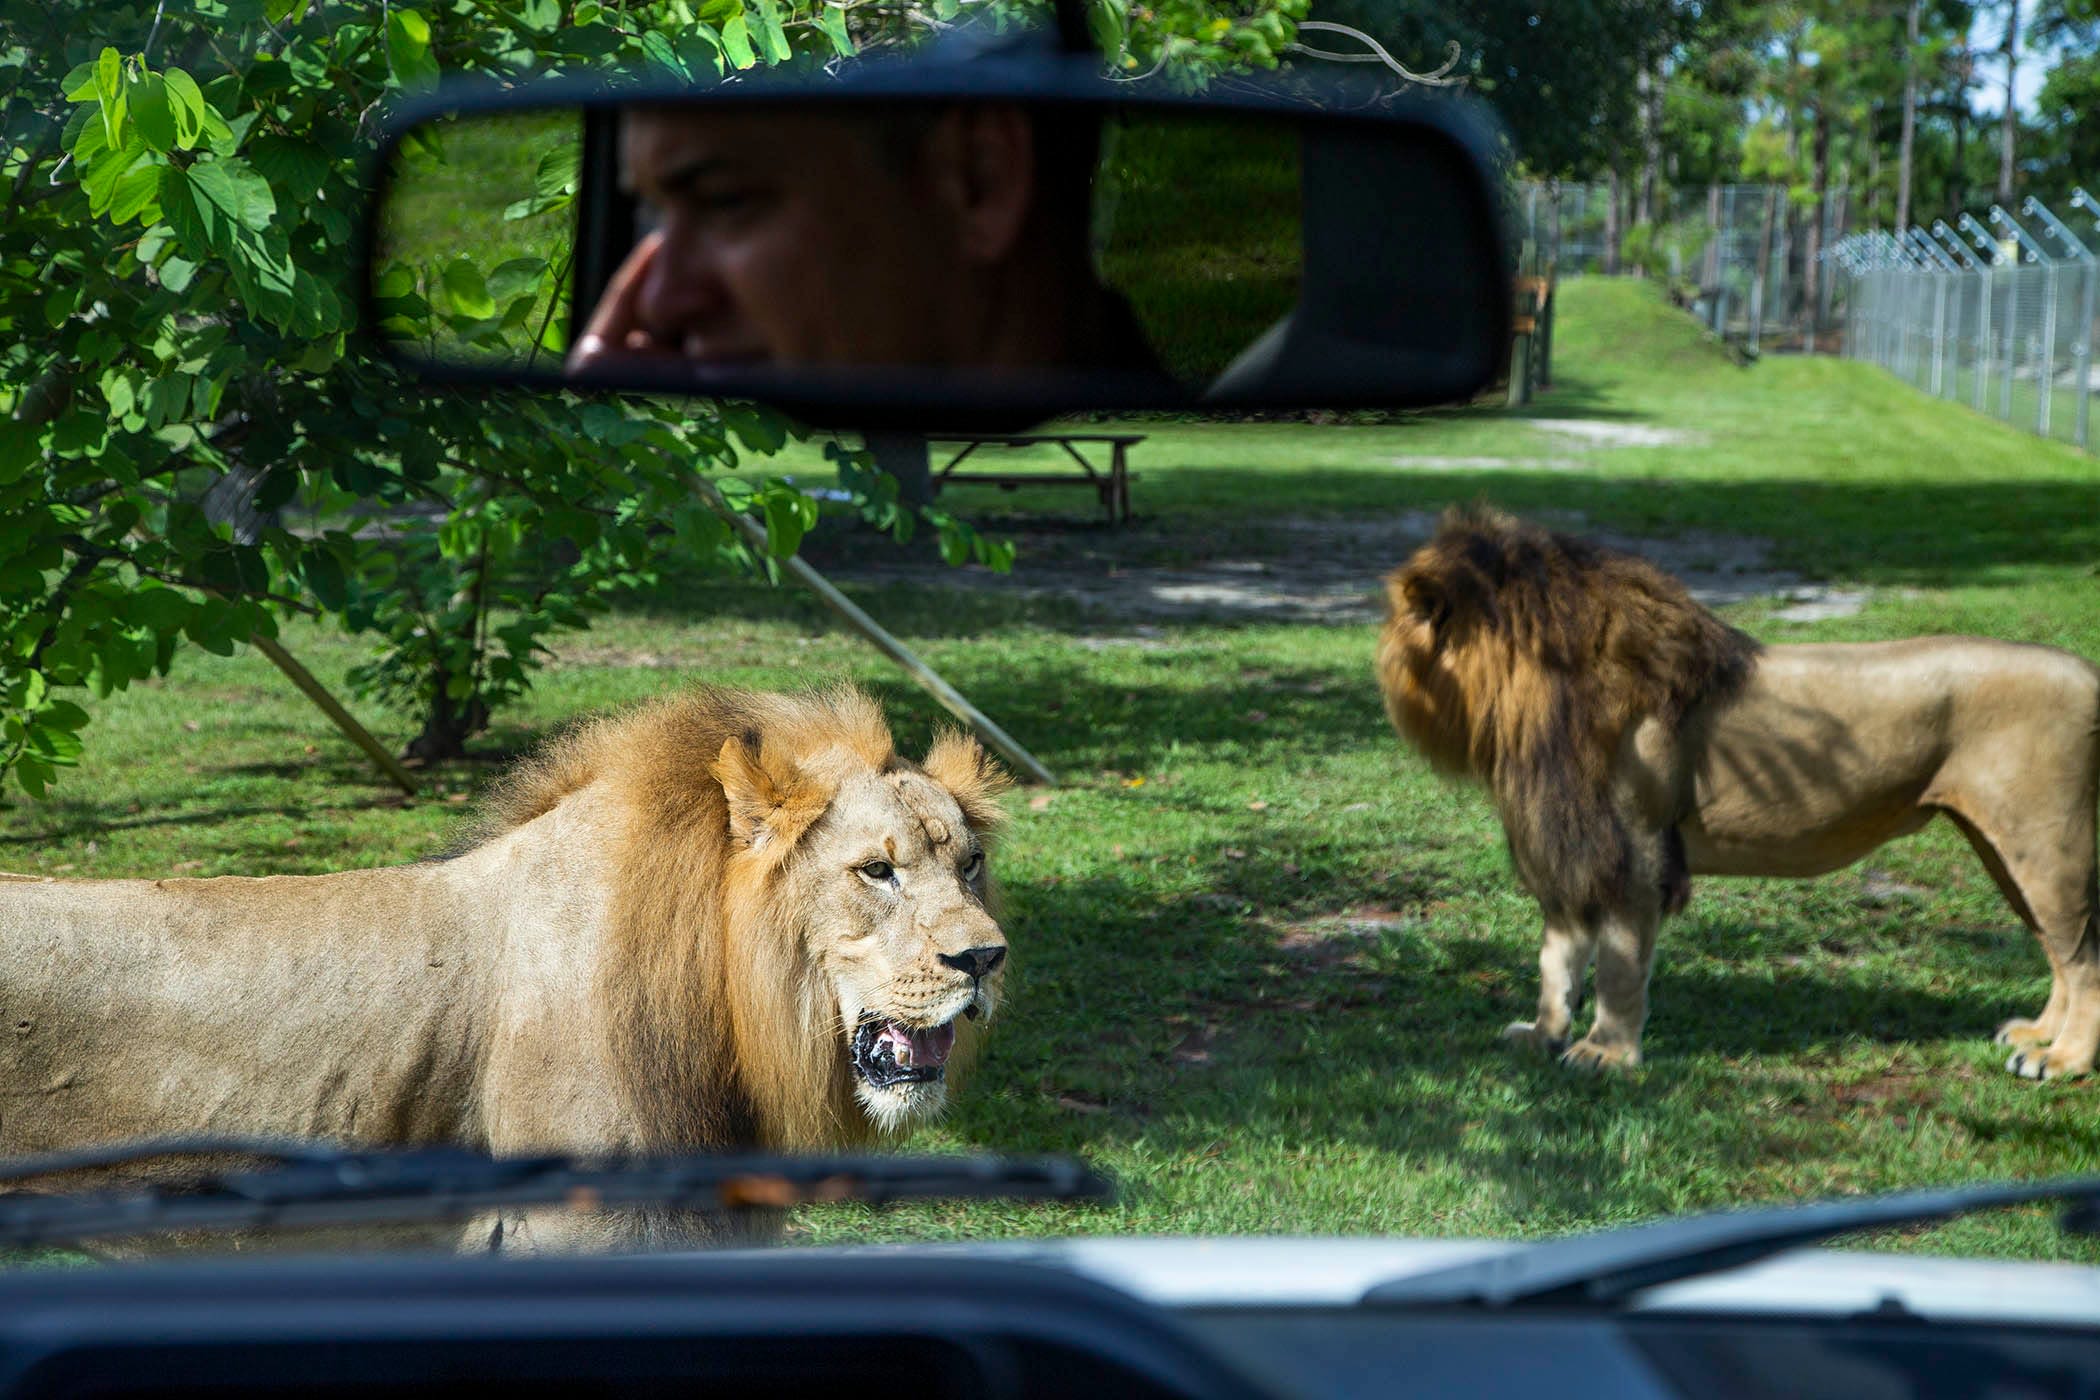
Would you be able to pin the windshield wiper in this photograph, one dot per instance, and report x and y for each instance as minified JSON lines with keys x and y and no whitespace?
{"x":307,"y":1185}
{"x":1609,"y":1267}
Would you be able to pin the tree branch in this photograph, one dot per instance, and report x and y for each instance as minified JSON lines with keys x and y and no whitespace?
{"x":1436,"y":78}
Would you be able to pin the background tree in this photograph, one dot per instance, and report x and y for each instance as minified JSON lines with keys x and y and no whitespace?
{"x":183,"y":183}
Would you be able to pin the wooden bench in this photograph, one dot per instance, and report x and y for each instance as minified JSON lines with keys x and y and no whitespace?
{"x":1112,"y":486}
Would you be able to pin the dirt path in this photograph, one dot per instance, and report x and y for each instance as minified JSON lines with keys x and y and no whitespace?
{"x":1304,"y":570}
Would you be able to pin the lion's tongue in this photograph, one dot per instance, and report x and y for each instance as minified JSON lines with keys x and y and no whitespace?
{"x":914,"y":1048}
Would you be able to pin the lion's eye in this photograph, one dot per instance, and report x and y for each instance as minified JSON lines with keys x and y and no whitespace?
{"x":879,"y":871}
{"x":974,"y":866}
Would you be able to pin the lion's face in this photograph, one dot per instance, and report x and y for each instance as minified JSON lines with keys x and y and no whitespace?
{"x":897,"y":882}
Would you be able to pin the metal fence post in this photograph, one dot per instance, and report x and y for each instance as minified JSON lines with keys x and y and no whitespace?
{"x":2045,"y":369}
{"x":2082,"y":349}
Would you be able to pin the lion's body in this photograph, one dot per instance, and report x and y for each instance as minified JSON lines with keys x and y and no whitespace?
{"x":610,"y":971}
{"x":1631,"y":741}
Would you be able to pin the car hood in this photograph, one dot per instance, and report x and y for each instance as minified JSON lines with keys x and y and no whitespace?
{"x":1271,"y":1271}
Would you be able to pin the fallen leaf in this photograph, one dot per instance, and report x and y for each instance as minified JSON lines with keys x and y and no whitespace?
{"x":312,"y":749}
{"x":191,"y":725}
{"x":1138,"y":781}
{"x":62,"y":869}
{"x":1081,"y":1103}
{"x":1039,"y":803}
{"x":1230,"y":853}
{"x":457,"y":798}
{"x":187,"y":864}
{"x":1257,"y":805}
{"x":93,"y":846}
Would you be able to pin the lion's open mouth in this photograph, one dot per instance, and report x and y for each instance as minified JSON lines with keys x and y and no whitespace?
{"x":886,"y":1052}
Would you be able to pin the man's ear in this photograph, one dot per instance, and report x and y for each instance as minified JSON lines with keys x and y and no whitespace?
{"x":959,"y":763}
{"x":985,"y":170}
{"x":771,"y":800}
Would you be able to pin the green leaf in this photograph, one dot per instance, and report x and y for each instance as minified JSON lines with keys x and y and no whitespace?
{"x":656,"y":48}
{"x":146,"y":97}
{"x":540,"y":16}
{"x":785,"y":526}
{"x":187,"y":103}
{"x":771,"y":37}
{"x":34,"y":775}
{"x":325,"y":579}
{"x":136,"y":195}
{"x":469,"y":293}
{"x":831,"y":20}
{"x":294,"y":168}
{"x":63,"y":715}
{"x":209,"y":203}
{"x":736,"y":39}
{"x":515,"y":278}
{"x":109,"y":74}
{"x":558,"y":170}
{"x":111,"y":169}
{"x":408,"y":48}
{"x":162,"y":609}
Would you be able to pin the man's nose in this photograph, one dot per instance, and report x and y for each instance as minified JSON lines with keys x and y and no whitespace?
{"x":680,"y":293}
{"x":980,"y":963}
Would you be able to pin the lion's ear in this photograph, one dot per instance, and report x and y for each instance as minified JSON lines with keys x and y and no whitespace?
{"x":770,"y":798}
{"x":1426,"y":600}
{"x":959,"y":763}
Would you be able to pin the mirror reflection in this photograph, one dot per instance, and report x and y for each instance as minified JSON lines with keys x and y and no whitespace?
{"x":981,"y":239}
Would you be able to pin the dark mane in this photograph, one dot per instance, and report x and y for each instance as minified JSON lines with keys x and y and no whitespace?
{"x":1524,"y":657}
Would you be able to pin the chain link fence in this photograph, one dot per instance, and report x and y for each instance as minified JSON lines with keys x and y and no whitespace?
{"x":1745,"y":259}
{"x":2001,"y":313}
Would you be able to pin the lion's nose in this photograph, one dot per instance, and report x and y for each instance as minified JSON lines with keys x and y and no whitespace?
{"x":980,"y":963}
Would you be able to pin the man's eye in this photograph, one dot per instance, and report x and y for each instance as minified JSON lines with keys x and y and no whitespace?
{"x":878,"y":870}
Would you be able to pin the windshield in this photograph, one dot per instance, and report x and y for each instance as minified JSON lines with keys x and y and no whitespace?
{"x":582,"y":775}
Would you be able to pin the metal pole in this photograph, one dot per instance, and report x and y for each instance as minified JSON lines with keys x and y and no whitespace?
{"x":2082,"y":351}
{"x":2045,"y":371}
{"x":931,"y":680}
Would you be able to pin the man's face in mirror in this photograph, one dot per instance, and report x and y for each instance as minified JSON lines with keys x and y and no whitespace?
{"x":850,"y":237}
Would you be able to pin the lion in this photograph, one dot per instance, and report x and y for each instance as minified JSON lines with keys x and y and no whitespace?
{"x":1630,"y":739}
{"x":725,"y":920}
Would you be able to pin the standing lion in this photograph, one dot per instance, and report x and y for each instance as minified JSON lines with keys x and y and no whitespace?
{"x":1630,"y":740}
{"x":725,"y":920}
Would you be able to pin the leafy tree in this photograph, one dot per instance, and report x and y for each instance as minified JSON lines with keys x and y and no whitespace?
{"x":194,"y":449}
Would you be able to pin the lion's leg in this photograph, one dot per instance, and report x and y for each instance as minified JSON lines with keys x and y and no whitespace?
{"x":2054,"y":894}
{"x":2021,"y":1031}
{"x":1564,"y":956}
{"x":2068,"y":931}
{"x":1625,"y":953}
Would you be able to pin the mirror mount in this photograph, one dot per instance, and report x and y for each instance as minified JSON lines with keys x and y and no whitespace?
{"x":1072,"y":33}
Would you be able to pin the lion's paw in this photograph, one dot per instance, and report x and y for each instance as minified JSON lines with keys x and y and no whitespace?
{"x":1528,"y":1033}
{"x":2022,"y":1032}
{"x":2040,"y":1062}
{"x":1588,"y":1054}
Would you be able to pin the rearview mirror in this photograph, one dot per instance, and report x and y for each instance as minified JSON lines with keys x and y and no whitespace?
{"x":915,"y":246}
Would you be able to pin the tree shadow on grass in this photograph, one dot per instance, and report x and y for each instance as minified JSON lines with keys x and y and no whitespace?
{"x":1262,"y":1008}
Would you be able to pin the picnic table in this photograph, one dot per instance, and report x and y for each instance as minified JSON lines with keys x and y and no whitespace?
{"x":1112,"y":485}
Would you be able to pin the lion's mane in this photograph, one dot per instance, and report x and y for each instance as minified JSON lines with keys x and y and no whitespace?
{"x":720,"y":1025}
{"x":1523,"y":658}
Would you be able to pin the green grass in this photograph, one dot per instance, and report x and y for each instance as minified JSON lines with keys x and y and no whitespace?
{"x":1261,"y":955}
{"x":450,"y":191}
